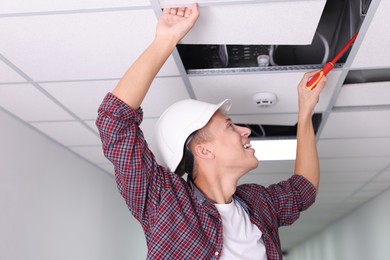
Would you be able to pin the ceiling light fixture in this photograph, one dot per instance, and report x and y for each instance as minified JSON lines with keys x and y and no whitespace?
{"x":274,"y":150}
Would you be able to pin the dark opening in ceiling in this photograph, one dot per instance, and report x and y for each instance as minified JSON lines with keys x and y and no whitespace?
{"x":279,"y":131}
{"x":366,"y":76}
{"x":340,"y":20}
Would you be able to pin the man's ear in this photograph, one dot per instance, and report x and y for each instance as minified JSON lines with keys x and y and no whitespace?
{"x":203,"y":151}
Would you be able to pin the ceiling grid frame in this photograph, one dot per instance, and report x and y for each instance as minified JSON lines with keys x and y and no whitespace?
{"x":43,"y":91}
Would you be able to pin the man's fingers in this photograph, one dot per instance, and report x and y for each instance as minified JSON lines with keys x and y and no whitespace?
{"x":166,"y":10}
{"x":192,"y":11}
{"x":181,"y":11}
{"x":173,"y":11}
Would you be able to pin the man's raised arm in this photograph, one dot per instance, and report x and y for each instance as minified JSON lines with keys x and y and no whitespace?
{"x":307,"y":163}
{"x":172,"y":26}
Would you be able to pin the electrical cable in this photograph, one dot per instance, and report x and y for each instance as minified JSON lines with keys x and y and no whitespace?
{"x":326,"y":47}
{"x":257,"y":134}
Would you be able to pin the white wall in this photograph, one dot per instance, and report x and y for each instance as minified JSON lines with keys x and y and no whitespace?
{"x":364,"y":234}
{"x":54,"y":205}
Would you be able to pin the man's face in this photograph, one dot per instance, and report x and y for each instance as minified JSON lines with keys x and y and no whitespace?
{"x":230,"y":145}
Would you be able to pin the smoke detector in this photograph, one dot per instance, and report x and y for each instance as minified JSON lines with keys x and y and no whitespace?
{"x":264,"y":99}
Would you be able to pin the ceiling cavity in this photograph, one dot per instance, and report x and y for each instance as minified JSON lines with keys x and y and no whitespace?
{"x":340,"y":20}
{"x":367,"y":76}
{"x":267,"y":132}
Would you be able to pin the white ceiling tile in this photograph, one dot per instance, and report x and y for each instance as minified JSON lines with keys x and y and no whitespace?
{"x":354,"y":147}
{"x":383,"y":177}
{"x":319,"y":210}
{"x":9,"y":75}
{"x":92,"y":124}
{"x":334,"y":186}
{"x":353,"y":164}
{"x":264,"y":179}
{"x":276,"y":22}
{"x":93,"y":154}
{"x":22,"y":6}
{"x":373,"y":51}
{"x":68,"y":133}
{"x":271,"y":167}
{"x":29,"y":104}
{"x":108,"y":167}
{"x":357,"y":124}
{"x":292,"y":235}
{"x":305,"y":221}
{"x":169,"y":68}
{"x":147,"y":127}
{"x":364,"y":196}
{"x":163,"y":93}
{"x":342,"y":177}
{"x":377,"y":186}
{"x":78,"y":97}
{"x":241,"y":88}
{"x":344,"y":207}
{"x":79,"y":46}
{"x":83,"y":97}
{"x":367,"y":94}
{"x":273,"y":119}
{"x":332,"y":196}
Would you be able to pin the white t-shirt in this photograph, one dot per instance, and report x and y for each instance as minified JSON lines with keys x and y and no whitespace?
{"x":241,"y":239}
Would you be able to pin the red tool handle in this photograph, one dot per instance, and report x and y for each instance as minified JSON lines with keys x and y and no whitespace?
{"x":312,"y":83}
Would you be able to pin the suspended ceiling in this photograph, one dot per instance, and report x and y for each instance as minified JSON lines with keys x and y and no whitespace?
{"x":58,"y":60}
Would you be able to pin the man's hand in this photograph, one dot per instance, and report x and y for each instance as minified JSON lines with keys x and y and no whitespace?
{"x":308,"y":99}
{"x":175,"y":23}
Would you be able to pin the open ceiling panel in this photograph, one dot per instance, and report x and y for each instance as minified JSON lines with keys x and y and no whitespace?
{"x":267,"y":22}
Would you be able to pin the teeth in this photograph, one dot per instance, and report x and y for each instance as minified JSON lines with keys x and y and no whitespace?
{"x":247,"y":146}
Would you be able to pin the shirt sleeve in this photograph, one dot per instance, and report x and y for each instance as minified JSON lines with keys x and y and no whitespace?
{"x":138,"y":176}
{"x":290,"y":197}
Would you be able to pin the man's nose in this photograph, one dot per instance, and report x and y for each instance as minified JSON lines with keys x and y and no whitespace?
{"x":244,"y":131}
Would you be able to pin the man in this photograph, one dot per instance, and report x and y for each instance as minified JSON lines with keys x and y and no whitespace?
{"x":209,"y":216}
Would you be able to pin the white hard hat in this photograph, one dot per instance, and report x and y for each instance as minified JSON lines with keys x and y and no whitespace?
{"x":177,"y":123}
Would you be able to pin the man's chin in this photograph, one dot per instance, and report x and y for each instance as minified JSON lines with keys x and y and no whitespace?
{"x":253,"y":165}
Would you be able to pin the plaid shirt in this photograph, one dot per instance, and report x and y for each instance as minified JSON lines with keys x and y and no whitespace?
{"x":178,"y":221}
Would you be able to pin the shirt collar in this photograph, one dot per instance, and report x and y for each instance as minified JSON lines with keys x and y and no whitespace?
{"x":197,"y":193}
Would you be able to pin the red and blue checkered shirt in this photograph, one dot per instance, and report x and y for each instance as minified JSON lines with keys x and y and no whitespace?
{"x":178,"y":221}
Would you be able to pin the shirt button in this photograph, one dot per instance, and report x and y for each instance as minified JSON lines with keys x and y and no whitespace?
{"x":216,"y":253}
